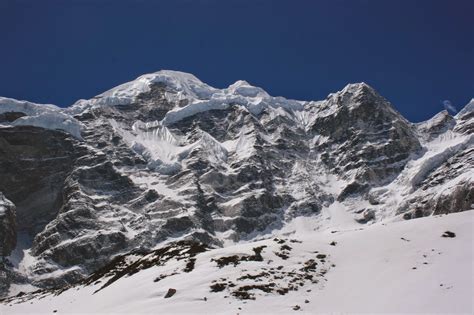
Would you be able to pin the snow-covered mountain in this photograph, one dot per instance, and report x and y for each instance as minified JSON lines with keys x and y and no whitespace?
{"x":167,"y":159}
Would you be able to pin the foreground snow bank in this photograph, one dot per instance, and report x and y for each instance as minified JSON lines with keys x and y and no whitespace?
{"x":393,"y":267}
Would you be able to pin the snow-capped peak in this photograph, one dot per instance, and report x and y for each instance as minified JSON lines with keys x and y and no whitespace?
{"x":185,"y":85}
{"x":181,"y":82}
{"x":245,"y":89}
{"x":351,"y":96}
{"x":358,"y":89}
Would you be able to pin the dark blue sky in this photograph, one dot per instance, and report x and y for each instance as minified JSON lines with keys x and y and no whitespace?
{"x":415,"y":53}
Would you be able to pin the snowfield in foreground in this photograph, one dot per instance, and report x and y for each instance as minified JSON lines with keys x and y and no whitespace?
{"x":391,"y":267}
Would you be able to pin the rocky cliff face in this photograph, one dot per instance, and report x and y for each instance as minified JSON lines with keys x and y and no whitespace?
{"x":168,"y":157}
{"x":8,"y":226}
{"x":364,"y":140}
{"x":8,"y":239}
{"x":34,"y":164}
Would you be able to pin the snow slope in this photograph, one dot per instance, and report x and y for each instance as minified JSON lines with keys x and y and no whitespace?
{"x":400,"y":267}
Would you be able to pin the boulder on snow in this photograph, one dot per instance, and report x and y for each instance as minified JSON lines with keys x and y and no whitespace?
{"x":449,"y":234}
{"x":170,"y":293}
{"x":365,"y":216}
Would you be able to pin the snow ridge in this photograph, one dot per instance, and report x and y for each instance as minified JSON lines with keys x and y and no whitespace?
{"x":469,"y":108}
{"x":41,"y":115}
{"x":199,"y":96}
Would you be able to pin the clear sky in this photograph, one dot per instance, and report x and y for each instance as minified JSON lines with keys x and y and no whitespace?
{"x":416,"y":53}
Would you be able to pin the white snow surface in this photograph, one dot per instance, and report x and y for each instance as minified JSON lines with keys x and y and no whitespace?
{"x":397,"y":267}
{"x":40,"y":115}
{"x":200,"y":97}
{"x":164,"y":150}
{"x":186,"y":86}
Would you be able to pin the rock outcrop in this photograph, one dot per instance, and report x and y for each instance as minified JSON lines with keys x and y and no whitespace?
{"x":8,"y":226}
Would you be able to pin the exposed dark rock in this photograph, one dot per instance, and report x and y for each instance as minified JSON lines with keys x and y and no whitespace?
{"x":34,"y":164}
{"x":253,"y":277}
{"x":122,"y":266}
{"x":310,"y":265}
{"x":366,"y":216}
{"x":7,"y":226}
{"x":170,"y":293}
{"x":190,"y":265}
{"x":362,"y":128}
{"x":244,"y":294}
{"x":10,"y":116}
{"x":218,"y":287}
{"x":449,"y":234}
{"x":236,"y":259}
